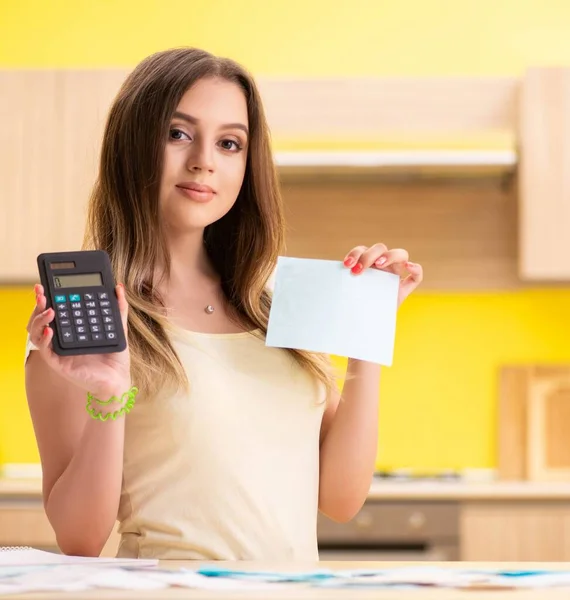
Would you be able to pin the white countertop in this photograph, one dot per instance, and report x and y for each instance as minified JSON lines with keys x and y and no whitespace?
{"x":12,"y":489}
{"x":465,"y":490}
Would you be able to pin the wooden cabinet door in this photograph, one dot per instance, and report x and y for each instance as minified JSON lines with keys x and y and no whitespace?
{"x":515,"y":531}
{"x":30,"y":160}
{"x":51,"y":123}
{"x":543,"y":174}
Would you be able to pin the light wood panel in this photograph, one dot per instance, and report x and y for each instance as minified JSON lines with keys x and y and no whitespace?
{"x":30,"y":167}
{"x":25,"y":525}
{"x":533,"y":425}
{"x":463,"y":233}
{"x":85,"y":99}
{"x":544,"y":134}
{"x":512,"y":419}
{"x":548,"y":425}
{"x":370,"y":107}
{"x":536,"y":531}
{"x":50,"y":129}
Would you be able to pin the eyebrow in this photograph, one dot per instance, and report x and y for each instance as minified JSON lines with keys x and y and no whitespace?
{"x":194,"y":121}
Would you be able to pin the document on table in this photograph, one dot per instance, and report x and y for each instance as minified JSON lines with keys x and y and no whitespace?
{"x":403,"y":577}
{"x":30,"y":557}
{"x":59,"y":577}
{"x":320,"y":306}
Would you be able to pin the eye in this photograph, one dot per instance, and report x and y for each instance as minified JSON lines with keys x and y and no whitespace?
{"x":230,"y":145}
{"x":177,"y":135}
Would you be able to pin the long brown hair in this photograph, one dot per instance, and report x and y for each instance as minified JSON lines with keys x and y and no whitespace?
{"x":123,"y":213}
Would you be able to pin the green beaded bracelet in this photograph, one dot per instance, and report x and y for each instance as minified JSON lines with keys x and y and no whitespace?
{"x":128,"y":400}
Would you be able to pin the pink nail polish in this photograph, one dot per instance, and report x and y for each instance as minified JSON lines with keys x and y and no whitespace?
{"x":348,"y":261}
{"x":357,"y":268}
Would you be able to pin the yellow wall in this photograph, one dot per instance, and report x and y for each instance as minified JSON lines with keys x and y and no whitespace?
{"x":308,"y":37}
{"x":438,"y":401}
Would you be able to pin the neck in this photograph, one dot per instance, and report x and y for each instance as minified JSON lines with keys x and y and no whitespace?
{"x":188,"y":261}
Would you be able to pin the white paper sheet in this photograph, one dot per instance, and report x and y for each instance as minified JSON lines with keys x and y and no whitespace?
{"x":32,"y":557}
{"x":320,"y":306}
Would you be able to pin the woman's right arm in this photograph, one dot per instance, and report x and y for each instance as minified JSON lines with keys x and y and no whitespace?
{"x":82,"y":458}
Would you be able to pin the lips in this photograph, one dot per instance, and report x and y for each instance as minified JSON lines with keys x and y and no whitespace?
{"x":197,"y":187}
{"x":196,"y":191}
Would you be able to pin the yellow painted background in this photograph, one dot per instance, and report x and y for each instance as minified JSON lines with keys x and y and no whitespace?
{"x":438,"y":401}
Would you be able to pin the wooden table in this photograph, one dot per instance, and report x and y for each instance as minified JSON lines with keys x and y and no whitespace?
{"x":299,"y":592}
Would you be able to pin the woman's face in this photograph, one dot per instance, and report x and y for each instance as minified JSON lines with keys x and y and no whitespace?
{"x":205,"y":155}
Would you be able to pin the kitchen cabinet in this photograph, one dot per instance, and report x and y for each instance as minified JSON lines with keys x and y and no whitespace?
{"x":515,"y":531}
{"x":534,"y":422}
{"x":51,"y":122}
{"x":544,"y":178}
{"x":494,"y":521}
{"x":475,"y":218}
{"x":23,"y":522}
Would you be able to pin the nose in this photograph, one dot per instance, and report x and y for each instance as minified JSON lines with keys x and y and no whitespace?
{"x":201,"y":158}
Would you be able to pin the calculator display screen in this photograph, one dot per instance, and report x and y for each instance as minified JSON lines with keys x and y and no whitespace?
{"x":80,"y":280}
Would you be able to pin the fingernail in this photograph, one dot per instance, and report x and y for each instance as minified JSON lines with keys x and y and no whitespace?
{"x":380,"y":261}
{"x":410,"y":264}
{"x":46,"y":330}
{"x":348,"y":261}
{"x":357,"y":268}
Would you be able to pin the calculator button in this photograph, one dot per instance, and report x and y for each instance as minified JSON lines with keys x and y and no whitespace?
{"x":65,"y":322}
{"x":92,"y":313}
{"x":103,"y":296}
{"x":76,"y":305}
{"x":74,"y":297}
{"x":89,"y":296}
{"x":107,"y":311}
{"x":77,"y":313}
{"x":104,"y":303}
{"x":109,"y":328}
{"x":94,"y":321}
{"x":80,"y":321}
{"x":83,"y":337}
{"x":67,"y":334}
{"x":111,"y":335}
{"x":97,"y":337}
{"x":63,"y":314}
{"x":81,"y":329}
{"x":95,"y":328}
{"x":91,"y":304}
{"x":107,"y":319}
{"x":60,"y":299}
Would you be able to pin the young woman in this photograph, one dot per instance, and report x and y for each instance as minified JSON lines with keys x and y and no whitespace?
{"x":232,"y":447}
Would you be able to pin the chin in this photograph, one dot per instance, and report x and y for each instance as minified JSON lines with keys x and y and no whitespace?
{"x":193,"y":220}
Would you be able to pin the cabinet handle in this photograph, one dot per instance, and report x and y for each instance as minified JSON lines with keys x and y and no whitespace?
{"x":364,"y":520}
{"x":417,"y":520}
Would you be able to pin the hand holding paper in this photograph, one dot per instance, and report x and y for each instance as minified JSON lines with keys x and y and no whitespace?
{"x":348,"y":309}
{"x":319,"y":305}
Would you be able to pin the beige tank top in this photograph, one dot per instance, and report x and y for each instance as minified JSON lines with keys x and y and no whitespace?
{"x":229,"y":471}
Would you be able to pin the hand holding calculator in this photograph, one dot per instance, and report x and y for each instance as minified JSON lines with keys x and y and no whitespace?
{"x":99,"y":364}
{"x":80,"y":288}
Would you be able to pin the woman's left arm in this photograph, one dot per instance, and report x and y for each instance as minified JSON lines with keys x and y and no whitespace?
{"x":349,"y":432}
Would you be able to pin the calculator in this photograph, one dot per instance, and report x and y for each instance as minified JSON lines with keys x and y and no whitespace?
{"x":80,"y":287}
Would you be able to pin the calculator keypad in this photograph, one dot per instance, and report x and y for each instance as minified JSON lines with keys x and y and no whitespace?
{"x":85,"y":318}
